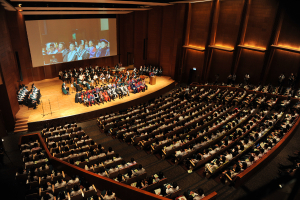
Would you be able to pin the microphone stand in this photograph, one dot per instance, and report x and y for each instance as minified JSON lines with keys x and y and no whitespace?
{"x":43,"y":109}
{"x":50,"y":107}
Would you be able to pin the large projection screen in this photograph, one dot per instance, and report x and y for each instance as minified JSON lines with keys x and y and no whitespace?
{"x":67,"y":40}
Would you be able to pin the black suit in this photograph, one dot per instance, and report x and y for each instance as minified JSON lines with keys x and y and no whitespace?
{"x":119,"y":92}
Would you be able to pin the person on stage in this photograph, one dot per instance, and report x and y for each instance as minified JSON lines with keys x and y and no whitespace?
{"x":96,"y":79}
{"x":32,"y":100}
{"x":109,"y":86}
{"x":160,"y":71}
{"x":119,"y":92}
{"x":101,"y":97}
{"x":65,"y":89}
{"x":134,"y":88}
{"x":107,"y":95}
{"x":97,"y":98}
{"x":91,"y":99}
{"x":156,"y":71}
{"x":88,"y":85}
{"x":77,"y":97}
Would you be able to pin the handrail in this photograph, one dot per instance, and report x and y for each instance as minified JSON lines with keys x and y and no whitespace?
{"x":243,"y":176}
{"x":121,"y":189}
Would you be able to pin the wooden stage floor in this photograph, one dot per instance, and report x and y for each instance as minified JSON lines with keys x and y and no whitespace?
{"x":64,"y":105}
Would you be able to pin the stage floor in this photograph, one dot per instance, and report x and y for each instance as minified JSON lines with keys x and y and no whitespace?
{"x":64,"y":105}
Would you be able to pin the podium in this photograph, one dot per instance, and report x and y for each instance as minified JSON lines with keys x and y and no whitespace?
{"x":152,"y":80}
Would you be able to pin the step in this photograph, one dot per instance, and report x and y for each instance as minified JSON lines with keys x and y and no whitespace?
{"x":21,"y":120}
{"x":21,"y":126}
{"x":21,"y":130}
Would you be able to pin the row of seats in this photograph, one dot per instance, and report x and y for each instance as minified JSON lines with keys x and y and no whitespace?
{"x":45,"y":182}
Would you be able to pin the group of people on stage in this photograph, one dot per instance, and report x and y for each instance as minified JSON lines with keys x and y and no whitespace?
{"x":109,"y":92}
{"x":84,"y":50}
{"x":113,"y":83}
{"x":149,"y":70}
{"x":29,"y":98}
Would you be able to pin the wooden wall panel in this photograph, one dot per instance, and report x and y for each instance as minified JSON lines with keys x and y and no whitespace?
{"x":19,"y":42}
{"x":200,"y":19}
{"x":178,"y":40}
{"x":221,"y":62}
{"x":167,"y":40}
{"x":24,"y":52}
{"x":154,"y":35}
{"x":38,"y":73}
{"x":9,"y":71}
{"x":194,"y":59}
{"x":126,"y":36}
{"x":50,"y":72}
{"x":260,"y":23}
{"x":283,"y":62}
{"x":251,"y":62}
{"x":229,"y":22}
{"x":289,"y":33}
{"x":140,"y":35}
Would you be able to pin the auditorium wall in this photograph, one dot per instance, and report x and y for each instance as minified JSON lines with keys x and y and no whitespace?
{"x":9,"y":71}
{"x":259,"y":37}
{"x":153,"y":37}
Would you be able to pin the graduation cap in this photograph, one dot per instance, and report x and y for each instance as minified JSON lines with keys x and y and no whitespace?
{"x":104,"y":40}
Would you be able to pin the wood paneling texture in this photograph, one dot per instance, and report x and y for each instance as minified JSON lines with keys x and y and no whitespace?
{"x":9,"y":69}
{"x":289,"y":33}
{"x":167,"y":40}
{"x":229,"y":22}
{"x":250,"y":62}
{"x":178,"y":40}
{"x":154,"y":35}
{"x":38,"y":73}
{"x":140,"y":35}
{"x":126,"y":36}
{"x":283,"y":62}
{"x":19,"y":43}
{"x":221,"y":62}
{"x":194,"y":59}
{"x":200,"y":19}
{"x":260,"y":22}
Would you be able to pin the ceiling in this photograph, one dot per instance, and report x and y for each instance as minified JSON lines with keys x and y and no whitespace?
{"x":83,"y":7}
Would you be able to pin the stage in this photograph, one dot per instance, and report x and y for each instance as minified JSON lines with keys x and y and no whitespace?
{"x":64,"y":109}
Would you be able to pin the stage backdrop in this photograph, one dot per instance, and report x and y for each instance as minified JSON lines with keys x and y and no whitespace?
{"x":66,"y":40}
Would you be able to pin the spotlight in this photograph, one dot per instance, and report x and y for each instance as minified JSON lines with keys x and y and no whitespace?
{"x":20,"y":5}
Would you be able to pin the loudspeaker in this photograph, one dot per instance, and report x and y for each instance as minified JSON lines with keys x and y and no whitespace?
{"x":19,"y":66}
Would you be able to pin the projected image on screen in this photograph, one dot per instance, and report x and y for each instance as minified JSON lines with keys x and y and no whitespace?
{"x":57,"y":41}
